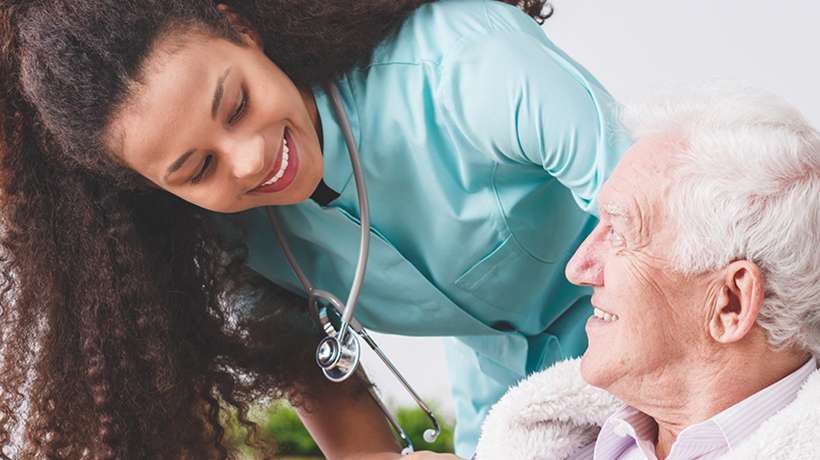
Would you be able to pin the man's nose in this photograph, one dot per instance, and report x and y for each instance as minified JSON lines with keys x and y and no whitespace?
{"x":586,"y":267}
{"x":247,"y":156}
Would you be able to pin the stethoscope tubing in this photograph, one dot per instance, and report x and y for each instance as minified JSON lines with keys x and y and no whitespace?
{"x":346,"y":310}
{"x":364,"y":212}
{"x":430,"y":434}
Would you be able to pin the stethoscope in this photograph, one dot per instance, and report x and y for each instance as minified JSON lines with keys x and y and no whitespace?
{"x":339,"y":352}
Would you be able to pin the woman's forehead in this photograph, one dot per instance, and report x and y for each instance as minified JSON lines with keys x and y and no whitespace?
{"x":173,"y":87}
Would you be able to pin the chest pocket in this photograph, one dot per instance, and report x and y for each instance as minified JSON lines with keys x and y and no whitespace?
{"x":395,"y":298}
{"x":510,"y":287}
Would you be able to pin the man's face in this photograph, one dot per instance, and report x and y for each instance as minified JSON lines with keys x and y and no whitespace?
{"x":653,"y":317}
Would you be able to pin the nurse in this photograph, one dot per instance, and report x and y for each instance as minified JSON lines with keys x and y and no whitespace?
{"x":483,"y":147}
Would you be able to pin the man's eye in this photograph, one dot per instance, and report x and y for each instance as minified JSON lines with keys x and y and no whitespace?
{"x":240,"y":109}
{"x":614,"y":237}
{"x":205,"y":165}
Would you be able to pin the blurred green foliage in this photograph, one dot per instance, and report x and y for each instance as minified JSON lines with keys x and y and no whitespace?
{"x":280,"y":423}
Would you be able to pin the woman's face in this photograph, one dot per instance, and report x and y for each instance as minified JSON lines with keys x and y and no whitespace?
{"x":219,"y":125}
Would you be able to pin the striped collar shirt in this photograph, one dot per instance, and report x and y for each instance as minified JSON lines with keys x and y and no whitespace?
{"x":629,"y":434}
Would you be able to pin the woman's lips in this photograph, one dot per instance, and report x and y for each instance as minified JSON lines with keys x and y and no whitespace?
{"x":290,"y":170}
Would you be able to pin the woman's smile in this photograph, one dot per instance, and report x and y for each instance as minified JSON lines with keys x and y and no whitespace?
{"x":284,"y":168}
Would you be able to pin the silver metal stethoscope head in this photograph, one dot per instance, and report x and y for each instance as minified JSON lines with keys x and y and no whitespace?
{"x":339,"y":353}
{"x":338,"y":360}
{"x":337,"y":356}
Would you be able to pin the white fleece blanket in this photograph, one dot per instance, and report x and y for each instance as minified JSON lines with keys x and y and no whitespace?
{"x":553,"y":413}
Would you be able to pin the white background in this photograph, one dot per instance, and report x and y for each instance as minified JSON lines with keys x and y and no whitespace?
{"x":635,"y":46}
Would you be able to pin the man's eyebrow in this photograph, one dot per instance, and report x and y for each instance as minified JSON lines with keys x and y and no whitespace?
{"x":219,"y":92}
{"x":178,"y":163}
{"x":615,"y":210}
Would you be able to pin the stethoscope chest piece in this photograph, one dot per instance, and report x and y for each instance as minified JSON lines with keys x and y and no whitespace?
{"x":338,"y":360}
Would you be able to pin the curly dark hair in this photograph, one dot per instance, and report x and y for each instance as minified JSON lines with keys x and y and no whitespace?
{"x":129,"y":325}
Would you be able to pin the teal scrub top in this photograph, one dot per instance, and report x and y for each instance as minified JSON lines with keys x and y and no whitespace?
{"x":483,"y":147}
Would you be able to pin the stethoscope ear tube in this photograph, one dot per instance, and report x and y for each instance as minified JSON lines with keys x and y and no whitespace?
{"x":430,"y":435}
{"x":339,"y":353}
{"x":364,"y":210}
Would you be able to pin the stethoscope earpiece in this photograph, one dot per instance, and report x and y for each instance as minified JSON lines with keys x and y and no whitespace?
{"x":430,"y":435}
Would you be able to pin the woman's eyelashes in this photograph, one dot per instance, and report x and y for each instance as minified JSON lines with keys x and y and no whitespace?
{"x":240,"y":108}
{"x":235,"y":117}
{"x":203,"y":170}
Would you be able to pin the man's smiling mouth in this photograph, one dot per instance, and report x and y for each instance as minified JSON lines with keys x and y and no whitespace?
{"x":603,"y":315}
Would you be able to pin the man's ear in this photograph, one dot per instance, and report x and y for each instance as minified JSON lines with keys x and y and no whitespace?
{"x":248,"y":34}
{"x":738,"y":302}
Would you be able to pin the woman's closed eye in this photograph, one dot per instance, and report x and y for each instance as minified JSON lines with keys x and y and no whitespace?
{"x":203,"y":169}
{"x":240,"y":110}
{"x":237,"y":115}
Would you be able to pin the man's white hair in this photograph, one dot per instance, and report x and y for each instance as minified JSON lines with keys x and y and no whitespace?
{"x":747,"y":186}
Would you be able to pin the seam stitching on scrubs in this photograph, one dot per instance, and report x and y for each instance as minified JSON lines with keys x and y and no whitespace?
{"x":499,"y":209}
{"x":437,"y":62}
{"x":355,"y":126}
{"x":503,"y":213}
{"x":487,"y":15}
{"x":491,"y":24}
{"x":418,"y":63}
{"x":493,"y":29}
{"x":589,"y":205}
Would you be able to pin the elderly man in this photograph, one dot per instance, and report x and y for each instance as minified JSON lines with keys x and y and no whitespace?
{"x":706,"y":275}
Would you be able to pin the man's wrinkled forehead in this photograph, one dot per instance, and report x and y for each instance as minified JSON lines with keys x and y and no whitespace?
{"x":643,"y":176}
{"x":653,"y":155}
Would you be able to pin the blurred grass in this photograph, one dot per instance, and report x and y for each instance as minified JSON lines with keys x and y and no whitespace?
{"x":279,"y":423}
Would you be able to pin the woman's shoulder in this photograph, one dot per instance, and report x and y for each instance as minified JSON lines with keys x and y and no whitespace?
{"x":436,"y":30}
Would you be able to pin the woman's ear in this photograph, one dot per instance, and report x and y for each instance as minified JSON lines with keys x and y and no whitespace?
{"x":248,"y":34}
{"x":738,"y":302}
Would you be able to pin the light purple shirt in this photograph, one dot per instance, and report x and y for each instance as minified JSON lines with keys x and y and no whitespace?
{"x":629,"y":434}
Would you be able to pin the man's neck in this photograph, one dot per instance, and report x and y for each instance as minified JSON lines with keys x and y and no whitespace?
{"x":688,"y":394}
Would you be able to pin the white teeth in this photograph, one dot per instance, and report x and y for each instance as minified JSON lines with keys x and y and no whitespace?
{"x":283,"y":167}
{"x":600,"y":314}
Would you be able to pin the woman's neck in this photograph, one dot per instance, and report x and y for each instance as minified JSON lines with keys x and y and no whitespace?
{"x":313,"y":113}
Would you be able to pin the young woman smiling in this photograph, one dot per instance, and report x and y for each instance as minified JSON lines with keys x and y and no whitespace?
{"x":143,"y":142}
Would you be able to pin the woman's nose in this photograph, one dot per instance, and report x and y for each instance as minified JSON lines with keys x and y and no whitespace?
{"x":247,"y":156}
{"x":586,"y":267}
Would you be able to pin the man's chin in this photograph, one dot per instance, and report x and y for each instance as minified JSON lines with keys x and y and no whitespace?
{"x":597,"y":371}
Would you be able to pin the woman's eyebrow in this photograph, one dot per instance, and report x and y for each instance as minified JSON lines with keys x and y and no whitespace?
{"x":178,"y":163}
{"x":220,"y":90}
